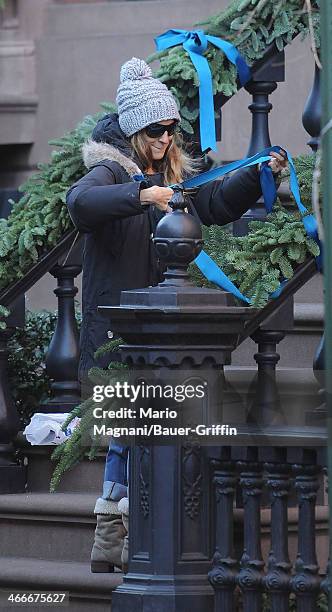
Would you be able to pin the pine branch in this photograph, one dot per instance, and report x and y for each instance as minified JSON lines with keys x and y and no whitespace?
{"x":81,"y":442}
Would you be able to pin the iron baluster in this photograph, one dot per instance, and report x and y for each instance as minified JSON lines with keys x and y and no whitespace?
{"x":222,"y":576}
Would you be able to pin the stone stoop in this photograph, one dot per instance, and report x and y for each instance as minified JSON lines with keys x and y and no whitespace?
{"x":46,"y":542}
{"x":88,"y":592}
{"x":46,"y":539}
{"x":53,"y":526}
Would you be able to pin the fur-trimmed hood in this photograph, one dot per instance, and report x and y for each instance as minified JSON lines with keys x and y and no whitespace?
{"x":109,"y":142}
{"x":95,"y":152}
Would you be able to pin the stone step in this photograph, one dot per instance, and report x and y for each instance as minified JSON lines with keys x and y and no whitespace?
{"x":85,"y":476}
{"x":87,"y":591}
{"x":48,"y":526}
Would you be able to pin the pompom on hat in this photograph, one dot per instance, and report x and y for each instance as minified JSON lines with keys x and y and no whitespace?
{"x":142,"y":99}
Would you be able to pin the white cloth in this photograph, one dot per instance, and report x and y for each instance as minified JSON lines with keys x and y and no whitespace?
{"x":46,"y":428}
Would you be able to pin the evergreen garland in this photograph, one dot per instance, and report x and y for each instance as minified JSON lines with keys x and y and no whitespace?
{"x":304,"y":166}
{"x":40,"y":218}
{"x":258,"y":262}
{"x":251,"y":25}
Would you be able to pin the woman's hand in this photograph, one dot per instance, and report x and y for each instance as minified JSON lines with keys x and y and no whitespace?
{"x":278,"y":162}
{"x":159,"y":196}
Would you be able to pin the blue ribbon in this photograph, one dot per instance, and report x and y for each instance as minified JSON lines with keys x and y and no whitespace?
{"x":196,"y":43}
{"x":215,"y":275}
{"x":204,"y":262}
{"x":268,"y":186}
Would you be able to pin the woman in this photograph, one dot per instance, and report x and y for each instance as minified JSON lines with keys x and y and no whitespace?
{"x":118,"y":209}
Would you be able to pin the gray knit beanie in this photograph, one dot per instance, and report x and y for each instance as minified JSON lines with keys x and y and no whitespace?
{"x":141,"y":99}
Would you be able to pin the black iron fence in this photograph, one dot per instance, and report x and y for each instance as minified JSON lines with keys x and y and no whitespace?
{"x":287,"y":481}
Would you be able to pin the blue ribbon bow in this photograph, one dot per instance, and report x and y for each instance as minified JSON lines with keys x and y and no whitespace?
{"x":195,"y":43}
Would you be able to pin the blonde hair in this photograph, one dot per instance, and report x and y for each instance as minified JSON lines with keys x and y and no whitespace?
{"x":176,"y":164}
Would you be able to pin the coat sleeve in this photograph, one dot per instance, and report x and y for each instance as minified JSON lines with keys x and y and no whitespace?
{"x":97,"y":199}
{"x":221,"y":202}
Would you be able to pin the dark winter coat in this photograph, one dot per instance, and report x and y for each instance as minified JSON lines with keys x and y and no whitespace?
{"x":118,"y":252}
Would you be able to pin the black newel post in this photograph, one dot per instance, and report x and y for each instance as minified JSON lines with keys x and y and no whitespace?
{"x":12,"y":473}
{"x":63,"y":354}
{"x":171,"y":329}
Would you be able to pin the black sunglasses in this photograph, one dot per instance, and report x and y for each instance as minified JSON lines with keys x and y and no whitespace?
{"x":155,"y":130}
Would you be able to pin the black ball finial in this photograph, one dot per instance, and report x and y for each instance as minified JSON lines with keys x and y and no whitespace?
{"x":178,"y":240}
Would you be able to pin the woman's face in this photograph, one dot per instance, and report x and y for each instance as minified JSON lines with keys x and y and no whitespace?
{"x":159,"y":144}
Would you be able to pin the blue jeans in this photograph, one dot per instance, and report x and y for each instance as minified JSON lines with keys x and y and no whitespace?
{"x":116,"y":472}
